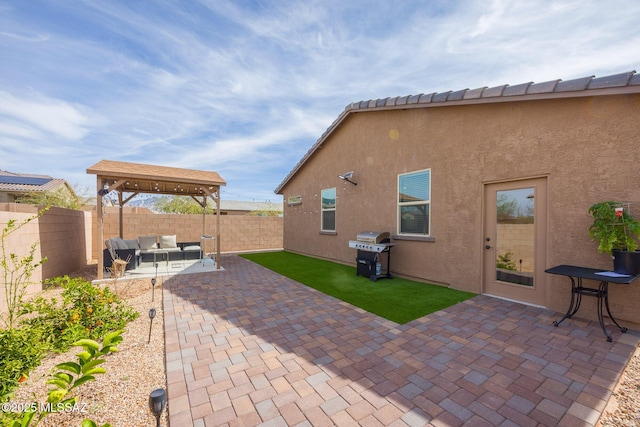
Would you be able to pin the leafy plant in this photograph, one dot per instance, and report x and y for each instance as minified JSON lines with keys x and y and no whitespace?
{"x":69,"y":376}
{"x":181,"y":205}
{"x":85,"y":311}
{"x":17,"y":270}
{"x":63,"y":197}
{"x":20,"y":352}
{"x":505,"y":262}
{"x":614,"y":227}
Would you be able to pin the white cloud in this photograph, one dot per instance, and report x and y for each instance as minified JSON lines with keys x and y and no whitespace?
{"x":50,"y":116}
{"x":246,"y":88}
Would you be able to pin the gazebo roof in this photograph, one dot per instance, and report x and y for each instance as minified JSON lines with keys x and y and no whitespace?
{"x":135,"y":178}
{"x":144,"y":178}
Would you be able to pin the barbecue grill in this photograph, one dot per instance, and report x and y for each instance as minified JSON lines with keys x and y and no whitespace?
{"x":370,"y":246}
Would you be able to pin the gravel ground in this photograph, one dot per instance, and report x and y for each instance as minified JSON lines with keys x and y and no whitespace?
{"x":623,"y":409}
{"x":120,"y":396}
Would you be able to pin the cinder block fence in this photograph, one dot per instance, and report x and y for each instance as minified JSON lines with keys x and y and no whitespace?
{"x":68,"y":238}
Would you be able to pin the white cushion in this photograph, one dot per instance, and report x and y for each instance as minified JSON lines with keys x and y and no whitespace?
{"x":168,"y":242}
{"x":192,"y":248}
{"x":147,"y":242}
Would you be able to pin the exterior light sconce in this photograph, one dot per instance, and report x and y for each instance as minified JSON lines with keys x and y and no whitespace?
{"x":104,"y":190}
{"x":347,"y":177}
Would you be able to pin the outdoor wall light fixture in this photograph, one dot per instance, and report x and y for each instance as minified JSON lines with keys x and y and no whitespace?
{"x":157,"y":403}
{"x":347,"y":177}
{"x":104,"y":190}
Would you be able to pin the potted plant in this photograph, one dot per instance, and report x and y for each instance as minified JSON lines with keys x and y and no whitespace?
{"x":617,"y":233}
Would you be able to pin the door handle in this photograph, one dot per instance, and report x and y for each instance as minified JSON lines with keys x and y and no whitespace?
{"x":487,"y":247}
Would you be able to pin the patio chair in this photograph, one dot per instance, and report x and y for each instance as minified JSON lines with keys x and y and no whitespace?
{"x":117,"y":248}
{"x":118,"y":265}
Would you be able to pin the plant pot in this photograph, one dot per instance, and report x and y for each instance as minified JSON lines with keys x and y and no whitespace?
{"x":626,"y":262}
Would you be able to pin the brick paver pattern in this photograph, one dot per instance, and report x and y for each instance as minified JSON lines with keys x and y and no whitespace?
{"x":248,"y":347}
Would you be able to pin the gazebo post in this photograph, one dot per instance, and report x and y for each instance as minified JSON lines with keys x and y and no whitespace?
{"x":121,"y":214}
{"x":217,"y":200}
{"x":100,"y":218}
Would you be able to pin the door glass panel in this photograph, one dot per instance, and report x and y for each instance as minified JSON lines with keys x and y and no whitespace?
{"x":515,"y":236}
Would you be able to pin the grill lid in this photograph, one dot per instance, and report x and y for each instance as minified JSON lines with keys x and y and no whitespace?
{"x":373,"y":236}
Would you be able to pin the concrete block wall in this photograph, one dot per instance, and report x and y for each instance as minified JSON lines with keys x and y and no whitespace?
{"x":19,"y":243}
{"x":518,"y":239}
{"x":238,"y":233}
{"x":65,"y":239}
{"x":63,"y":236}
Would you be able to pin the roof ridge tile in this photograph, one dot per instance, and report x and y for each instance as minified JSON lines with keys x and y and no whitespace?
{"x":493,"y":91}
{"x":426,"y":98}
{"x":615,"y":80}
{"x":440,"y":96}
{"x":574,"y":84}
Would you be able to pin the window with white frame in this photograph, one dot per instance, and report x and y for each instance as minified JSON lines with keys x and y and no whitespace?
{"x":414,"y":202}
{"x":328,"y":208}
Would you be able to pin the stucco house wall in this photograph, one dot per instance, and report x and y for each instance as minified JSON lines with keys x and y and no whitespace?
{"x":586,"y":147}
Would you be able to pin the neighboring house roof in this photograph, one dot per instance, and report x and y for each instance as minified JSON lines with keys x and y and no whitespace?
{"x":240,"y":205}
{"x":27,"y":183}
{"x":628,"y":82}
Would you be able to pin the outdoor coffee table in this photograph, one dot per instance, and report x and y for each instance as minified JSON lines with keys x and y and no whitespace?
{"x":162,"y":252}
{"x":577,"y":274}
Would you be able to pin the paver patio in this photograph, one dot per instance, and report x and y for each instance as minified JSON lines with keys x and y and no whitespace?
{"x":248,"y":347}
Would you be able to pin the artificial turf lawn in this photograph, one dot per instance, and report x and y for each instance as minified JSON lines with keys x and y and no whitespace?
{"x":398,"y":300}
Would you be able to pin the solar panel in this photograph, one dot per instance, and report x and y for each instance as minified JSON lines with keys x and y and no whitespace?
{"x":23,"y":180}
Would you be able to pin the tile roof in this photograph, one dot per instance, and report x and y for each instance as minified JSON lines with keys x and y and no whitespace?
{"x":627,"y":82}
{"x":556,"y":87}
{"x":25,"y":183}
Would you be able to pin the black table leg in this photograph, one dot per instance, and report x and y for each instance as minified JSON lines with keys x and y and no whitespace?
{"x":602,"y":297}
{"x":605,"y":287}
{"x":576,"y":299}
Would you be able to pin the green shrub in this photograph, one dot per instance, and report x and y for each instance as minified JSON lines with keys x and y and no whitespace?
{"x":505,"y":262}
{"x":85,"y":311}
{"x":68,"y":376}
{"x":20,"y":352}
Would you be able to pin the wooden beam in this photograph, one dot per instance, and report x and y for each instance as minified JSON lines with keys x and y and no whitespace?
{"x":100,"y":229}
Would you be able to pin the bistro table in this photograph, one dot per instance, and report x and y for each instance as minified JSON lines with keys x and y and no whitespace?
{"x":577,"y":274}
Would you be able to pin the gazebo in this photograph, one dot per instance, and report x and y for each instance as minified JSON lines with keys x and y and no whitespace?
{"x":131,"y":179}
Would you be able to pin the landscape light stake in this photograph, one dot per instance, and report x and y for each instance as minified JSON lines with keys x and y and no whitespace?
{"x":153,"y":283}
{"x":152,"y":314}
{"x":157,"y":403}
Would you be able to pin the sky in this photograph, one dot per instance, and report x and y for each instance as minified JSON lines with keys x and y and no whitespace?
{"x":246,"y":87}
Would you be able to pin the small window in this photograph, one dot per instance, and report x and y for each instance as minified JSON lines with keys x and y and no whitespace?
{"x":414,"y":202}
{"x":328,"y":209}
